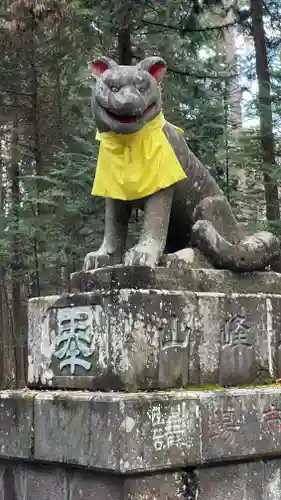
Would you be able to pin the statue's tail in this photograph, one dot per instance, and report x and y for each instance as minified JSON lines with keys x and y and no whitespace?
{"x":253,"y":254}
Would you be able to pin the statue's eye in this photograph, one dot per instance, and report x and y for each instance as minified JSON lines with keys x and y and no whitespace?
{"x":114,"y":88}
{"x":142,"y":88}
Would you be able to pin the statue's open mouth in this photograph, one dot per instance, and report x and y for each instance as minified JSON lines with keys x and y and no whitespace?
{"x":128,"y":119}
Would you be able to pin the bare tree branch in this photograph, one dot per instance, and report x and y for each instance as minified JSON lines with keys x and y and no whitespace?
{"x":167,"y":27}
{"x":7,"y":91}
{"x":197,"y":75}
{"x":202,"y":77}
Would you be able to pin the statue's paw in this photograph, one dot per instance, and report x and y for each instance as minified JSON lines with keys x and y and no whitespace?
{"x":141,"y":255}
{"x":93,"y":260}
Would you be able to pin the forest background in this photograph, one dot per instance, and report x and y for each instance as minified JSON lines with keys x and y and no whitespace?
{"x":223,"y":87}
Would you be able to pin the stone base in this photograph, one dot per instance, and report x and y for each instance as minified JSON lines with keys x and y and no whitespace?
{"x":259,"y":480}
{"x":147,"y":446}
{"x":128,"y":339}
{"x":178,"y":278}
{"x":45,"y":482}
{"x":249,"y":481}
{"x":150,"y":432}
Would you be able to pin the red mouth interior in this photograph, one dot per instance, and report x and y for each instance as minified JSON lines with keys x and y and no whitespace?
{"x":129,"y":119}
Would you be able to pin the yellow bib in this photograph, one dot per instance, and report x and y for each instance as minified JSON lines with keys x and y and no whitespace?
{"x":132,"y":166}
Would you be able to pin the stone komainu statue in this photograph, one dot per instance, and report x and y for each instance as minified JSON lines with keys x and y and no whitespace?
{"x":145,"y":162}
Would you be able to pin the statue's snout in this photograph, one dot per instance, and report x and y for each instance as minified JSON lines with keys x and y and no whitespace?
{"x":128,"y":101}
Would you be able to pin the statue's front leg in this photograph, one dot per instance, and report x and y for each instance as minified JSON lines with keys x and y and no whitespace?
{"x":157,"y":209}
{"x":117,"y":214}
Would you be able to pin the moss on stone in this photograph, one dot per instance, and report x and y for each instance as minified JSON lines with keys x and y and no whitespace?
{"x":63,"y":400}
{"x":203,"y":387}
{"x":215,"y":387}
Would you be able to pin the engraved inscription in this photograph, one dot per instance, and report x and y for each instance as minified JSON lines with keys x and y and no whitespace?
{"x":73,"y":344}
{"x":272,"y":418}
{"x":236,"y":331}
{"x":223,"y":424}
{"x":237,"y":364}
{"x":170,"y":430}
{"x":279,"y":359}
{"x":175,"y":332}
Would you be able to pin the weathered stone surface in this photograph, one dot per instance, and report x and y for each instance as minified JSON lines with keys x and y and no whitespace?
{"x":148,"y":431}
{"x":186,"y":258}
{"x":270,"y":414}
{"x":240,"y":423}
{"x":272,"y":479}
{"x":260,"y":480}
{"x":274,"y":334}
{"x":137,"y":339}
{"x":164,"y":436}
{"x":41,"y":339}
{"x":89,"y":486}
{"x":118,"y":432}
{"x":57,"y":483}
{"x":184,"y":278}
{"x":13,"y":479}
{"x":166,"y":430}
{"x":45,"y":482}
{"x":245,"y":338}
{"x":238,"y":482}
{"x":42,"y":482}
{"x":161,"y":486}
{"x":78,"y":428}
{"x":16,"y":423}
{"x":50,"y":482}
{"x":231,"y":424}
{"x":129,"y":341}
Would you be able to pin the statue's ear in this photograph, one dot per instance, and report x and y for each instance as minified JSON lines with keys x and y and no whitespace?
{"x":156,"y":66}
{"x":99,"y":66}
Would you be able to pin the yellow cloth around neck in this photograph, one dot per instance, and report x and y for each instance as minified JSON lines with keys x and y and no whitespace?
{"x":132,"y":166}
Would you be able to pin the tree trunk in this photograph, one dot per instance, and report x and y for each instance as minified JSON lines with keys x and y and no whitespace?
{"x":2,"y":294}
{"x":39,"y":209}
{"x":234,"y":95}
{"x":124,"y":44}
{"x":17,"y":329}
{"x":266,"y":122}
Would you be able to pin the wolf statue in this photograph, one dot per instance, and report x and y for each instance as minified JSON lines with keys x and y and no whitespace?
{"x":145,"y":162}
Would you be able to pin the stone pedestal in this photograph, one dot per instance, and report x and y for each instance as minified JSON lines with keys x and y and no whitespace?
{"x":134,"y":330}
{"x":196,"y":445}
{"x":150,"y":432}
{"x":140,"y":337}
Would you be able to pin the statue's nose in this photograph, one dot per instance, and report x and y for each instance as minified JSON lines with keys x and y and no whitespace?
{"x":129,"y":102}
